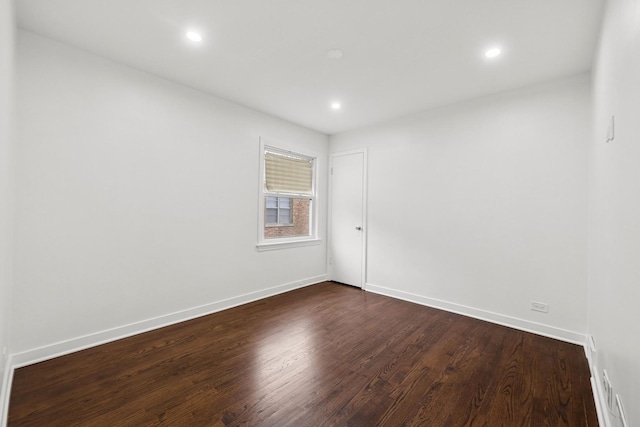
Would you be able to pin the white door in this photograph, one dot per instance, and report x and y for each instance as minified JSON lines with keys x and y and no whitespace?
{"x":348,"y":234}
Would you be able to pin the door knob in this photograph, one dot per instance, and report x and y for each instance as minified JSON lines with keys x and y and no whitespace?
{"x":359,"y":228}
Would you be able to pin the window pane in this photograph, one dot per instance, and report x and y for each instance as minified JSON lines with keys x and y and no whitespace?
{"x":272,"y":216}
{"x":284,"y":202}
{"x":285,"y":216}
{"x":294,"y":222}
{"x":272,"y":202}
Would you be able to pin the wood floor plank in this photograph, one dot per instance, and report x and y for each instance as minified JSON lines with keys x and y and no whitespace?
{"x":324,"y":355}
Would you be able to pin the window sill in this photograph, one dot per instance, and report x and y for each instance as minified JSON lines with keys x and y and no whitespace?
{"x":270,"y":246}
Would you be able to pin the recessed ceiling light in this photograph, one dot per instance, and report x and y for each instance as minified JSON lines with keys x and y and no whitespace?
{"x":493,"y":52}
{"x":335,"y":105}
{"x":193,"y":36}
{"x":335,"y":54}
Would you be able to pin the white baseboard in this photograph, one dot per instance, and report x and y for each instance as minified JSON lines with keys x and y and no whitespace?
{"x":5,"y":393}
{"x":500,"y":319}
{"x":80,"y":343}
{"x":603,"y":415}
{"x":604,"y":418}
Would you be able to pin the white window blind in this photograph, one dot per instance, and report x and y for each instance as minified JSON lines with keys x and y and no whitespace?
{"x":288,"y":173}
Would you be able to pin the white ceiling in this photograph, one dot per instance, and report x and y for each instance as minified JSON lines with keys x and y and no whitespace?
{"x":400,"y":56}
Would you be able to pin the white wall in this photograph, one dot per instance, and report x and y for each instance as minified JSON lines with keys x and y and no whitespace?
{"x":7,"y":28}
{"x":614,"y":224}
{"x":481,"y":207}
{"x":137,"y":197}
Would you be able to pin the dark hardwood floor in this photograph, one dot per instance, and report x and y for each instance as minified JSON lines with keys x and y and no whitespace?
{"x":323,"y":355}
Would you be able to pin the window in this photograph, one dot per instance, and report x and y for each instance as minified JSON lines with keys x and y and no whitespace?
{"x":287,"y":198}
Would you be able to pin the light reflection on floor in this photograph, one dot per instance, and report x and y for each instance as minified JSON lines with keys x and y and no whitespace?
{"x":285,"y":362}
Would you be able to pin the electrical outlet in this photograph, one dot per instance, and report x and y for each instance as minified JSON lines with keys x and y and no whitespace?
{"x":539,"y":306}
{"x":621,"y":415}
{"x":608,"y":390}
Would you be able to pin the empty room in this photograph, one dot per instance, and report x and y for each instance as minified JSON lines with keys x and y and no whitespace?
{"x":320,"y":213}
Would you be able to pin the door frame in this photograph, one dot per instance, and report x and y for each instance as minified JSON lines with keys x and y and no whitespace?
{"x":365,"y":225}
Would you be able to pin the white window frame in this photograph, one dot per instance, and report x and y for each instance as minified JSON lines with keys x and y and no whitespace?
{"x":287,"y":242}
